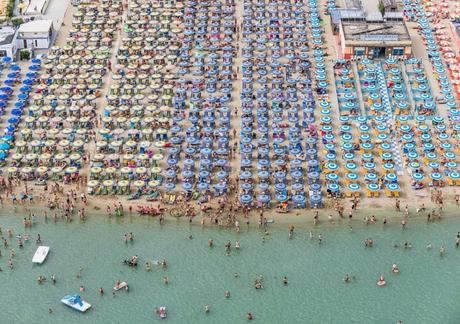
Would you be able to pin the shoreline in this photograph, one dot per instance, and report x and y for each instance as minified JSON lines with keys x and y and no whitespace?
{"x":299,"y":218}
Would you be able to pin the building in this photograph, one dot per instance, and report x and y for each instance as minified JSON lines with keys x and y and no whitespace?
{"x":370,"y":34}
{"x":390,"y":5}
{"x":455,"y":31}
{"x":8,"y":46}
{"x":36,"y":7}
{"x":36,"y":34}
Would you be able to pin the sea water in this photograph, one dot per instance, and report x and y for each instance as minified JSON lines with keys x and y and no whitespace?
{"x":425,"y":291}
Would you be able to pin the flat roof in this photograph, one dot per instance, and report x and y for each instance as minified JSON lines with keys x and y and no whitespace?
{"x":351,"y":14}
{"x":375,"y":32}
{"x":352,"y":4}
{"x":35,"y":7}
{"x":36,"y":26}
{"x":457,"y":27}
{"x":396,"y":15}
{"x":6,"y":35}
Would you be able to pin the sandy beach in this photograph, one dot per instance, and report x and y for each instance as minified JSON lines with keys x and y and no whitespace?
{"x":408,"y":195}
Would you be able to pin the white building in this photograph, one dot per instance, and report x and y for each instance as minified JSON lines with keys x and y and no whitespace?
{"x":36,"y":34}
{"x":36,"y":7}
{"x":8,"y":44}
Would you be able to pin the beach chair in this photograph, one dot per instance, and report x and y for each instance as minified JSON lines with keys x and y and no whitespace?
{"x":450,"y":182}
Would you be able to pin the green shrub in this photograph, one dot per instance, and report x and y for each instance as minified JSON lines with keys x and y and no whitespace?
{"x":24,"y":54}
{"x":382,"y":8}
{"x":9,"y":9}
{"x":17,"y":21}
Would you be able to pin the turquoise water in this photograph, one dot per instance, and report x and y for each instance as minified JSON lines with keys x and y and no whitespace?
{"x":426,"y":290}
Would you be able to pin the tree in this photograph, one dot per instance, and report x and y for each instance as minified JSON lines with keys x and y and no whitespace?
{"x":382,"y":7}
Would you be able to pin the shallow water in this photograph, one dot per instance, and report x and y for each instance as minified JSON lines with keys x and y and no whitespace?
{"x":426,"y":290}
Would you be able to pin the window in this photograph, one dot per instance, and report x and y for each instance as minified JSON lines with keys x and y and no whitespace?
{"x":359,"y":51}
{"x":398,"y":51}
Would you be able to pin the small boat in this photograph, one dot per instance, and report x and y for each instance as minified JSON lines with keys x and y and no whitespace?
{"x":120,"y":285}
{"x":162,"y":312}
{"x":76,"y":302}
{"x":41,"y":254}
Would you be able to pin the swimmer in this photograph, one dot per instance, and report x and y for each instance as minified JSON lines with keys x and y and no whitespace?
{"x":50,"y":311}
{"x":210,"y":242}
{"x":249,"y":316}
{"x":442,"y":250}
{"x":291,"y":231}
{"x":165,"y":280}
{"x":285,"y":280}
{"x":237,"y":245}
{"x":207,"y":308}
{"x":311,"y":235}
{"x":227,"y":294}
{"x":82,"y":288}
{"x":320,"y":238}
{"x":429,"y":246}
{"x":347,"y":278}
{"x":101,"y":291}
{"x":148,"y":266}
{"x":53,"y":278}
{"x":394,"y":268}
